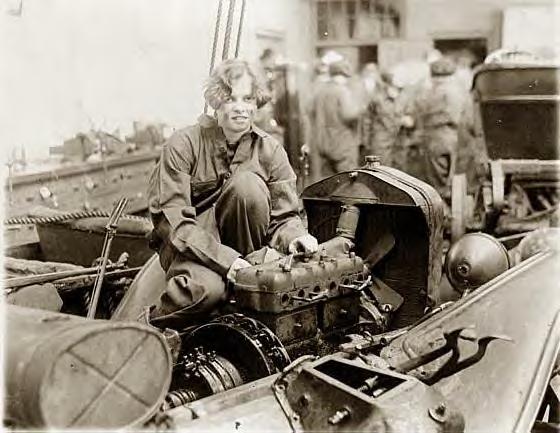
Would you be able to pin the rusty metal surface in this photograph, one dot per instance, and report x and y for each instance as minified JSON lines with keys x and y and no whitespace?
{"x":522,"y":305}
{"x":335,"y":394}
{"x":62,"y":243}
{"x":289,"y":326}
{"x":251,"y":407}
{"x":340,"y":312}
{"x":97,"y":183}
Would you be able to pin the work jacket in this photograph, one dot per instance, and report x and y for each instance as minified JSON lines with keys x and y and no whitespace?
{"x":187,"y":180}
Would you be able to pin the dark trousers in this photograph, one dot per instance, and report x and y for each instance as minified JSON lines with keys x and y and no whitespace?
{"x":239,"y":219}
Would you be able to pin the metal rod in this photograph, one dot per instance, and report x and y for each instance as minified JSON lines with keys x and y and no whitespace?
{"x":13,"y":283}
{"x":111,"y":228}
{"x":73,"y":283}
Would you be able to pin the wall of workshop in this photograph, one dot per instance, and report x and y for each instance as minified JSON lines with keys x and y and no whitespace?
{"x":457,"y":19}
{"x":72,"y":65}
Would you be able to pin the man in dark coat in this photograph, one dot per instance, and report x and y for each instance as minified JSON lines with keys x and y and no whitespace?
{"x":387,"y":117}
{"x":439,"y":109}
{"x":334,"y":115}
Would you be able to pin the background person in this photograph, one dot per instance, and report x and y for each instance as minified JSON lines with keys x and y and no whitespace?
{"x":334,"y":115}
{"x":439,"y":110}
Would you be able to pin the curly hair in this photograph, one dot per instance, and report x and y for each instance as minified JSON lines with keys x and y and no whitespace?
{"x":218,"y":87}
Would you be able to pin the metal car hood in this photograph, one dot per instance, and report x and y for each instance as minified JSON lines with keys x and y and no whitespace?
{"x":503,"y":391}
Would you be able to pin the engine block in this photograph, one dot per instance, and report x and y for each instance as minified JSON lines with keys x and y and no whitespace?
{"x":303,"y":300}
{"x":289,"y":284}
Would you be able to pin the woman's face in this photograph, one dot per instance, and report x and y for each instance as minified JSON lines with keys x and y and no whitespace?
{"x":237,"y":112}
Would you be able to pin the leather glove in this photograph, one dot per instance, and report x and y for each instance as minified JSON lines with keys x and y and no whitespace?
{"x":238,"y":263}
{"x":305,"y":244}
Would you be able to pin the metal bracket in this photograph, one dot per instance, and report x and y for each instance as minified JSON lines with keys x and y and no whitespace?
{"x":452,"y":365}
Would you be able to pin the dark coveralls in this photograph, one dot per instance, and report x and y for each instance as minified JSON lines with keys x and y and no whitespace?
{"x":382,"y":136}
{"x":334,"y":122}
{"x":210,"y":204}
{"x":439,"y":110}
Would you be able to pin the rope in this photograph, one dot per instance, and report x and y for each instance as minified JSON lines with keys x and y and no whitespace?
{"x":216,"y":34}
{"x":214,"y":46}
{"x":65,"y":217}
{"x":229,"y":25}
{"x":240,"y":29}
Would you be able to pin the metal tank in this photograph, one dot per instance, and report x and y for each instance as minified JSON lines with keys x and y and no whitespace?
{"x":66,"y":372}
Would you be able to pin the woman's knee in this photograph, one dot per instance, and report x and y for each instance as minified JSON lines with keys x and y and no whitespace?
{"x":250,"y":189}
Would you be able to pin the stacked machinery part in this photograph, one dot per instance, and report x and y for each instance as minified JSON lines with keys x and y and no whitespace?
{"x":303,"y":300}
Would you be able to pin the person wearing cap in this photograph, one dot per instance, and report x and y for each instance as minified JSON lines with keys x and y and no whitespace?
{"x":334,"y":115}
{"x":387,"y":115}
{"x":439,"y":109}
{"x":222,"y":194}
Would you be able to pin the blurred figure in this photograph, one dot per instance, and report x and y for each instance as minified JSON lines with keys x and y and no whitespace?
{"x":265,"y":117}
{"x":268,"y":60}
{"x":334,"y":117}
{"x":370,"y":81}
{"x":439,"y":110}
{"x":386,"y":113}
{"x":464,"y":71}
{"x":310,"y":153}
{"x":472,"y":154}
